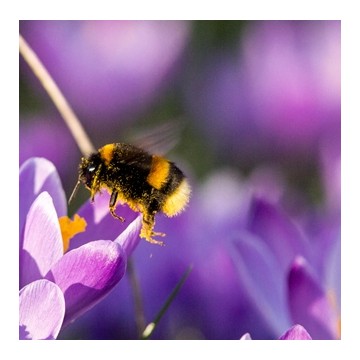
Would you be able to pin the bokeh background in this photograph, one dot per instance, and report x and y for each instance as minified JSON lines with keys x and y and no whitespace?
{"x":256,"y":106}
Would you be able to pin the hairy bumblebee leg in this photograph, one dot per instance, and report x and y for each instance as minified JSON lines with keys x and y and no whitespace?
{"x":112,"y":206}
{"x":94,"y":188}
{"x":158,"y":234}
{"x":147,"y":229}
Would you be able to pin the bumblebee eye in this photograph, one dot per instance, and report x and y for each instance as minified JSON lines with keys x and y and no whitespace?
{"x":91,"y":168}
{"x":89,"y":175}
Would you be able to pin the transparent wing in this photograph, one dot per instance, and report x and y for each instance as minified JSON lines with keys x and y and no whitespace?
{"x":159,"y":139}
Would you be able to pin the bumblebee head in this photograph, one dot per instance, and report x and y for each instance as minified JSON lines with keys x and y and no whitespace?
{"x":88,"y":169}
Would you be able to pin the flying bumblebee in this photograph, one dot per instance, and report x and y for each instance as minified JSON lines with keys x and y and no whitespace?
{"x":146,"y":183}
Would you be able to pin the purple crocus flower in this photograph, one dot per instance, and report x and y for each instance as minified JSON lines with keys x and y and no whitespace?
{"x":84,"y":275}
{"x":296,"y":332}
{"x":42,"y":310}
{"x":289,"y":275}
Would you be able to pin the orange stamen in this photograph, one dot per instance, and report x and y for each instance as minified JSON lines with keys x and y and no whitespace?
{"x":69,"y":228}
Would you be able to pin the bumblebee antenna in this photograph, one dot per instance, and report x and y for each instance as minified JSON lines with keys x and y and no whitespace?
{"x":76,"y":188}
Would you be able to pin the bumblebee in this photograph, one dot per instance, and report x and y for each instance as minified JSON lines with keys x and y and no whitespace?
{"x":146,"y":183}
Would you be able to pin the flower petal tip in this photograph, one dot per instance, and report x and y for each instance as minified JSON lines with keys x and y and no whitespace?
{"x":297,"y":332}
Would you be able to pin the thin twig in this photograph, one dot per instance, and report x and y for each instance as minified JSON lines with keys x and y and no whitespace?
{"x":57,"y":97}
{"x":139,"y":308}
{"x":151,"y":326}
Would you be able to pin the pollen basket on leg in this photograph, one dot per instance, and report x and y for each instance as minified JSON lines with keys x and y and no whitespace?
{"x":107,"y":153}
{"x":159,"y":172}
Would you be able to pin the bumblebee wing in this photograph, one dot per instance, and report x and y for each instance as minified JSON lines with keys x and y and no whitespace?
{"x":158,"y":140}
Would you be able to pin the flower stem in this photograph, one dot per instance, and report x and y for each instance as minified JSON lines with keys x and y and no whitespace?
{"x":151,"y":326}
{"x":74,"y":125}
{"x":139,"y":308}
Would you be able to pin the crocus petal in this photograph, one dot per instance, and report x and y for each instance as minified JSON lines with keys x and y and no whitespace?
{"x":277,"y":230}
{"x":38,"y":175}
{"x":42,"y":310}
{"x":87,"y":274}
{"x":42,"y":243}
{"x":297,"y":332}
{"x":309,"y":304}
{"x":100,"y":223}
{"x":130,"y":238}
{"x":262,"y":279}
{"x":246,"y":337}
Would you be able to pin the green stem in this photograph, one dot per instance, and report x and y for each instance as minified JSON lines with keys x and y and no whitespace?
{"x":139,"y":308}
{"x":151,"y":326}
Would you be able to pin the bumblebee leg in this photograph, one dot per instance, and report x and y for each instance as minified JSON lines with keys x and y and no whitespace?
{"x":112,"y":206}
{"x":147,"y":229}
{"x":95,"y":185}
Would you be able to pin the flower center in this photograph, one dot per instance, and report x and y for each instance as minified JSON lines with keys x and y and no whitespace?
{"x":69,"y":228}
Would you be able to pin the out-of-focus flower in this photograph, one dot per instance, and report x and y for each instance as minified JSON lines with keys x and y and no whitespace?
{"x":311,"y":303}
{"x":109,"y":70}
{"x":246,"y":336}
{"x":279,"y":97}
{"x":284,"y":287}
{"x":296,"y":332}
{"x":42,"y":310}
{"x":84,"y":275}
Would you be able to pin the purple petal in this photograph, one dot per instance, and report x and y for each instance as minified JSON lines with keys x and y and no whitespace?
{"x":309,"y":304}
{"x":42,"y":310}
{"x":38,"y":175}
{"x":130,"y":238}
{"x":277,"y":231}
{"x":263,"y":280}
{"x":100,"y":223}
{"x":42,"y":242}
{"x":246,"y":337}
{"x":297,"y":332}
{"x":87,"y":274}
